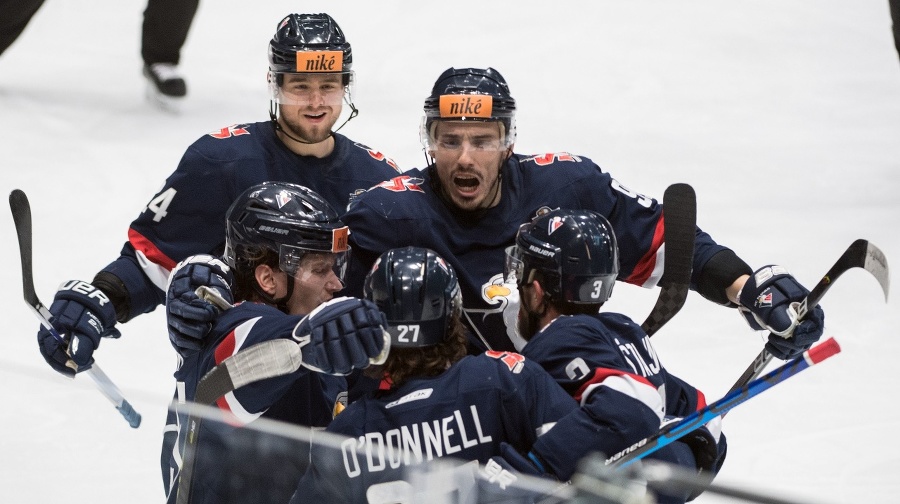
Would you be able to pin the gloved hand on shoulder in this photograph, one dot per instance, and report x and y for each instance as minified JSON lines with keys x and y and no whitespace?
{"x":189,"y":317}
{"x":343,"y":335}
{"x":769,"y":302}
{"x":81,"y":314}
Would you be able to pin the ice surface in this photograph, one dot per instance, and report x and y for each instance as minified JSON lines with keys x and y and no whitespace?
{"x":784,"y":116}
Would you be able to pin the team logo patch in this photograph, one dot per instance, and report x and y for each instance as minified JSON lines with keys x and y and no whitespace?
{"x":282,"y":198}
{"x":554,"y":224}
{"x":230,"y":131}
{"x":764,"y":300}
{"x":513,"y":361}
{"x":402,"y":183}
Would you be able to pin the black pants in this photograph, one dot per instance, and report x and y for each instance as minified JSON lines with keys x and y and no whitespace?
{"x":165,"y":28}
{"x":895,"y":18}
{"x":16,"y":14}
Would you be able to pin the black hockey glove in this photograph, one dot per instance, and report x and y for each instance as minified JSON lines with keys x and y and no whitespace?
{"x":188,"y":316}
{"x":342,"y":335}
{"x":82,"y":314}
{"x":769,"y":303}
{"x":702,"y":450}
{"x":530,"y":463}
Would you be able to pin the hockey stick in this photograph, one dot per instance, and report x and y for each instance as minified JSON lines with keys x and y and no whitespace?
{"x":268,"y":359}
{"x":680,"y":221}
{"x":860,"y":254}
{"x":610,"y":484}
{"x":21,"y":211}
{"x":675,"y":431}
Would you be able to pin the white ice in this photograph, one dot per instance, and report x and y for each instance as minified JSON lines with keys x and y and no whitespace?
{"x":784,"y":115}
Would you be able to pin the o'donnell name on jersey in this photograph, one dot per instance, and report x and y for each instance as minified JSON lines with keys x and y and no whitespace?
{"x":413,"y":443}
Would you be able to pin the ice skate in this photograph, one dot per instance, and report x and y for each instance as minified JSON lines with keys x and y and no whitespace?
{"x":165,"y":86}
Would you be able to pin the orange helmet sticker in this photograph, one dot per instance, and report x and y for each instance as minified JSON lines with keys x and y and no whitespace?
{"x":466,"y":106}
{"x":320,"y":61}
{"x":339,"y":239}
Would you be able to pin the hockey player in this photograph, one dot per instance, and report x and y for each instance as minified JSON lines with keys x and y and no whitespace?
{"x":467,"y":206}
{"x":310,"y":74}
{"x":434,"y":401}
{"x":565,"y":263}
{"x":286,"y":247}
{"x":437,"y":402}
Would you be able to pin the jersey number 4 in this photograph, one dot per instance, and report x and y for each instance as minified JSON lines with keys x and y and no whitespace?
{"x":160,"y":203}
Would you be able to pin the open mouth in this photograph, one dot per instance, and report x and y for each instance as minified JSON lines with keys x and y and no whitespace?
{"x":466,"y":184}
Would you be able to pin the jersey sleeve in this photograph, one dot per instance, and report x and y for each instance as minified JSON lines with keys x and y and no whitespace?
{"x":529,"y":393}
{"x":682,"y":398}
{"x":250,"y":401}
{"x":639,"y":224}
{"x":187,"y":216}
{"x":618,"y":405}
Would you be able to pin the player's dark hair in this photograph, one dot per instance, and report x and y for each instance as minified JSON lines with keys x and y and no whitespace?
{"x":406,"y":363}
{"x":245,"y":286}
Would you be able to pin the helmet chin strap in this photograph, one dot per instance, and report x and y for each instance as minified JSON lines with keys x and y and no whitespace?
{"x":273,"y":115}
{"x":280,"y":303}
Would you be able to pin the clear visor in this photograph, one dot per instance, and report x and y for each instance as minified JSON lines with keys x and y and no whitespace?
{"x":291,"y":259}
{"x":311,"y":89}
{"x":513,"y":266}
{"x":478,"y":139}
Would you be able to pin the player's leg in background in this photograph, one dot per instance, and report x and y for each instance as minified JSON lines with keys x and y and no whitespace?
{"x":16,"y":15}
{"x":895,"y":19}
{"x":164,"y":32}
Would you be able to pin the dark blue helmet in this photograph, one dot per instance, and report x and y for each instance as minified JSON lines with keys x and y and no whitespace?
{"x":290,"y":220}
{"x":470,"y":94}
{"x":418,"y":292}
{"x":309,"y":43}
{"x":574,"y":250}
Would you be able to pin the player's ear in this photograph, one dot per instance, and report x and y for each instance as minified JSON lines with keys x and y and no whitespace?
{"x":537,"y":293}
{"x":266,"y":277}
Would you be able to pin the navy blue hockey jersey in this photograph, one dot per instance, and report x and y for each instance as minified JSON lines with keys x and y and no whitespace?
{"x":406,"y":211}
{"x":464,"y":413}
{"x":303,"y":397}
{"x":607,"y":363}
{"x":187,"y":216}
